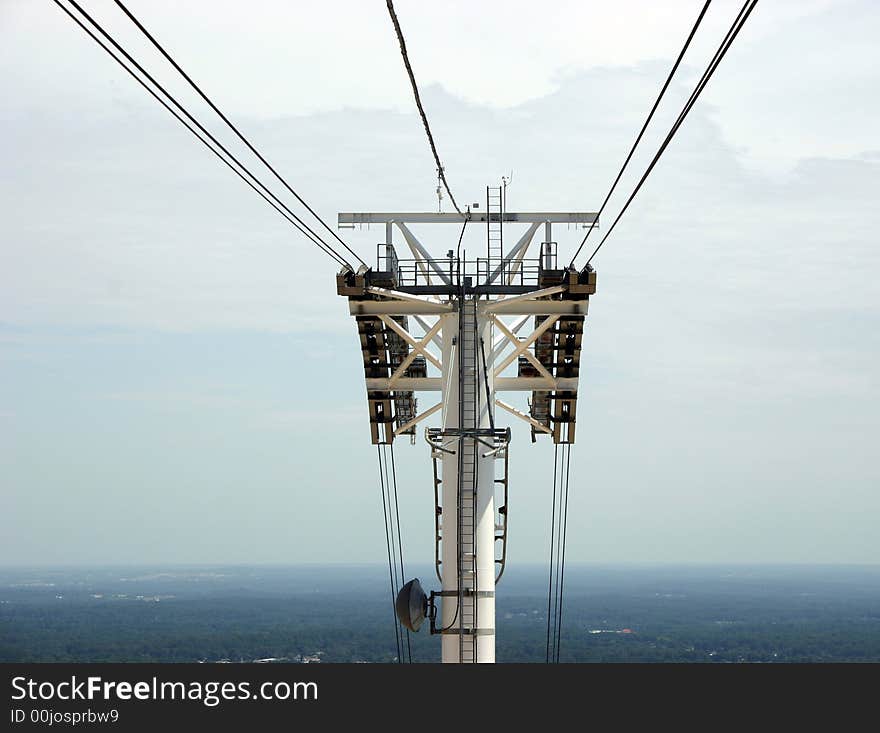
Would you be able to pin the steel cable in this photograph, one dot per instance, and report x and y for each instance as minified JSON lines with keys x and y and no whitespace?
{"x":300,"y":225}
{"x":399,"y":537}
{"x":412,"y":80}
{"x":550,"y":613}
{"x":234,"y":128}
{"x":561,"y":571}
{"x":389,"y":552}
{"x":650,"y":116}
{"x":731,"y":35}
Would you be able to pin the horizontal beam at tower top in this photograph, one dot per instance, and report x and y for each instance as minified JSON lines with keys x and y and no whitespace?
{"x":531,"y":217}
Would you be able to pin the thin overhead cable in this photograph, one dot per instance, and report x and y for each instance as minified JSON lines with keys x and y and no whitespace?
{"x":731,"y":35}
{"x":412,"y":80}
{"x":558,"y":537}
{"x":396,"y":581}
{"x":551,"y":613}
{"x":393,"y":543}
{"x":234,"y":128}
{"x":392,"y":487}
{"x":389,"y":534}
{"x":467,"y":218}
{"x":201,"y":139}
{"x":189,"y":116}
{"x":648,"y":119}
{"x":290,"y":216}
{"x":560,"y":605}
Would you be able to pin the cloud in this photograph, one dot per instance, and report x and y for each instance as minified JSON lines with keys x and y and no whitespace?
{"x":129,"y":223}
{"x":731,"y":349}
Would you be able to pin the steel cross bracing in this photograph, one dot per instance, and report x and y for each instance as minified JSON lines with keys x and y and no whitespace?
{"x":469,"y":330}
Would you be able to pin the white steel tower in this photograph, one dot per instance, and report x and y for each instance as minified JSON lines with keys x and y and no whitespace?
{"x":452,"y":326}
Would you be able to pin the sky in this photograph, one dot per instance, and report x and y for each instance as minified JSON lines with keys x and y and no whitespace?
{"x":179,"y":381}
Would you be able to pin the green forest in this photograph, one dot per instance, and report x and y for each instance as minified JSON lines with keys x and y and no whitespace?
{"x":335,"y":615}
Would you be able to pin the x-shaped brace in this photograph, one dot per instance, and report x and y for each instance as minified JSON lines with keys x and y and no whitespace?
{"x":523,"y":347}
{"x":418,"y":347}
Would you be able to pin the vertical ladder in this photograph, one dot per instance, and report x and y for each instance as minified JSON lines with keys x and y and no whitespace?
{"x":494,"y":230}
{"x":467,"y":480}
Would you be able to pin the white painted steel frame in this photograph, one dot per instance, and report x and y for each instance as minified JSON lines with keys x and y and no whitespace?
{"x":443,"y":334}
{"x":445,"y":330}
{"x":477,"y":217}
{"x":484,"y":512}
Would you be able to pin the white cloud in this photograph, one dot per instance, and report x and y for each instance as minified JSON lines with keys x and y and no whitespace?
{"x":732,"y":344}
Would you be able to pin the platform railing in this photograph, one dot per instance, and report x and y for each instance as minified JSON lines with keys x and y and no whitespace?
{"x":413,"y":273}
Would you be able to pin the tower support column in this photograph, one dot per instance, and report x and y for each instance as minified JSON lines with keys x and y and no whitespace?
{"x":467,"y":617}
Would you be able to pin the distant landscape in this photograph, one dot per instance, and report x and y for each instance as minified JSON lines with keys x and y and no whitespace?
{"x":327,"y":614}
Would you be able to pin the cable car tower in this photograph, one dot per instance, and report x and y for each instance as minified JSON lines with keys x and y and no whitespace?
{"x":466,"y":330}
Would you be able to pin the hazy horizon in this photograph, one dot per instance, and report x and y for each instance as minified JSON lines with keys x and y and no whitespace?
{"x":376,"y":564}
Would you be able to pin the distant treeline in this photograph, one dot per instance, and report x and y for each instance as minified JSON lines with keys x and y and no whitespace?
{"x":652,"y":617}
